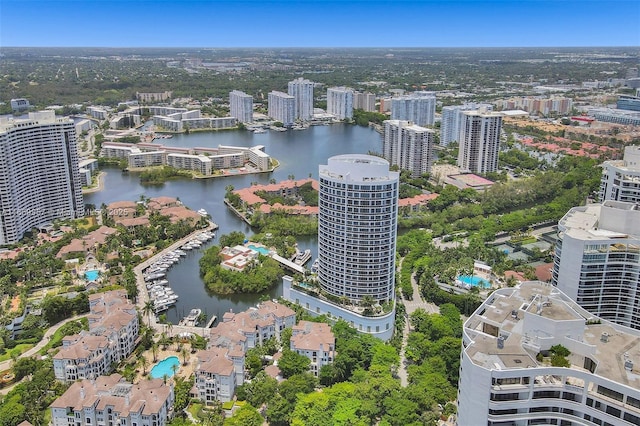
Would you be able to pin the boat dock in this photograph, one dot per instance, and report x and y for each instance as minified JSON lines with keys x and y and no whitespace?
{"x":211,"y":321}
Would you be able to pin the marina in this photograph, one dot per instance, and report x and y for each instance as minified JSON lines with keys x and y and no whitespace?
{"x":314,"y":145}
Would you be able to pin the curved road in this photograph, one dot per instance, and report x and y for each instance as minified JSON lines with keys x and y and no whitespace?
{"x":411,"y":306}
{"x":6,"y":365}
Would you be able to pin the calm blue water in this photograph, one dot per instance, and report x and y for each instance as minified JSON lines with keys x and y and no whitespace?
{"x":260,"y":250}
{"x":92,"y":275}
{"x":299,"y":152}
{"x":474,"y":281}
{"x":164,"y":367}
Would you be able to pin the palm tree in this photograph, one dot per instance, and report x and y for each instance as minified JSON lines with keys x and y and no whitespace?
{"x":184,"y":352}
{"x":154,"y":351}
{"x":147,"y":309}
{"x":174,"y":368}
{"x":144,"y":363}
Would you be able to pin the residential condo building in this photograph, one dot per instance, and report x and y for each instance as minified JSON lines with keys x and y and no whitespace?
{"x":365,"y":101}
{"x":340,"y":102}
{"x":418,"y":107}
{"x":621,"y":178}
{"x":282,"y":108}
{"x":110,"y":401}
{"x":113,"y":330}
{"x":316,"y":341}
{"x":408,"y":146}
{"x":302,"y":90}
{"x":241,"y":106}
{"x":597,"y":260}
{"x":479,"y":141}
{"x":452,"y":118}
{"x":357,"y":221}
{"x":508,"y":375}
{"x":39,"y":178}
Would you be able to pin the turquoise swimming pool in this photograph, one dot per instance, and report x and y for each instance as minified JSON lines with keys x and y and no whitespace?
{"x":473,"y":281}
{"x":260,"y":250}
{"x":164,"y":367}
{"x":92,"y":275}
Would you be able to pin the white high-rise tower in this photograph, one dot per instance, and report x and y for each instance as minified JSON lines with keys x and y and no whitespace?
{"x":357,"y":221}
{"x":39,"y":178}
{"x":408,"y":146}
{"x":340,"y":102}
{"x":418,"y":107}
{"x":302,"y":91}
{"x":241,"y":106}
{"x":479,"y":141}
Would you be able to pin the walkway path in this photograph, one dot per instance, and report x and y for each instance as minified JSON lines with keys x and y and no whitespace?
{"x":6,"y":365}
{"x":411,"y":306}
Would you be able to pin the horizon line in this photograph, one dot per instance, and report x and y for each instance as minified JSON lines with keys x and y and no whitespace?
{"x":318,"y":47}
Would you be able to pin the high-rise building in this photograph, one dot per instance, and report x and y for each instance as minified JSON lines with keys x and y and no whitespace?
{"x":39,"y":178}
{"x":282,"y":108}
{"x":364,"y":101}
{"x":418,"y":107}
{"x":241,"y":106}
{"x":479,"y":141}
{"x":340,"y":102}
{"x":357,"y":221}
{"x":302,"y":90}
{"x":451,"y":119}
{"x":597,"y":260}
{"x":408,"y":146}
{"x":532,"y":356}
{"x":621,"y":178}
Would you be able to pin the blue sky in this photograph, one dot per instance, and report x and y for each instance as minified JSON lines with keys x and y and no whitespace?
{"x":320,"y":23}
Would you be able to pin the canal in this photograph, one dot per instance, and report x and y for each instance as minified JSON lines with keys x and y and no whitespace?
{"x":299,"y":153}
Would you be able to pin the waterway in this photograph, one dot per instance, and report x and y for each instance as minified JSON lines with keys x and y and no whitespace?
{"x":299,"y":152}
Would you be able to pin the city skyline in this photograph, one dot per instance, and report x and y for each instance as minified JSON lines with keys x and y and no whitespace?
{"x":353,"y":23}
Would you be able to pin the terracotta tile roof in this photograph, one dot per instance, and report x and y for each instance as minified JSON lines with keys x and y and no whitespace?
{"x":214,"y":361}
{"x":146,"y":397}
{"x":312,"y":336}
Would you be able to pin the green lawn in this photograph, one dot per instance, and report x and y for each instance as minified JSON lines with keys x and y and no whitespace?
{"x":19,"y":349}
{"x":194,"y":409}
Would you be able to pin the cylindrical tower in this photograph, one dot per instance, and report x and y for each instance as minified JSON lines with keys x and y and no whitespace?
{"x":358,"y":210}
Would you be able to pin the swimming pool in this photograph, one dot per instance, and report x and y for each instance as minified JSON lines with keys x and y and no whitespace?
{"x":164,"y":367}
{"x":260,"y":250}
{"x":92,"y":275}
{"x":473,"y":281}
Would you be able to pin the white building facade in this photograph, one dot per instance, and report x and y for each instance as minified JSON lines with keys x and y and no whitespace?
{"x":479,"y":141}
{"x":357,"y":222}
{"x":302,"y":90}
{"x":39,"y":178}
{"x":340,"y":102}
{"x":282,"y":108}
{"x":597,"y":260}
{"x":418,"y":107}
{"x":621,"y":178}
{"x":507,"y":376}
{"x":241,"y":106}
{"x":452,"y":118}
{"x":408,"y":146}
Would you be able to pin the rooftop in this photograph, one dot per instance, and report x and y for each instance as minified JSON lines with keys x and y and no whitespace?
{"x":534,"y":316}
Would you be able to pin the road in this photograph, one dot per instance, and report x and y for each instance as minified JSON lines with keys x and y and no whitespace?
{"x":411,"y":306}
{"x":6,"y":365}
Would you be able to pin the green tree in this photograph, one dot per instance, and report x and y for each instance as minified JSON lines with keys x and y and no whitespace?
{"x":245,"y":416}
{"x":293,"y":363}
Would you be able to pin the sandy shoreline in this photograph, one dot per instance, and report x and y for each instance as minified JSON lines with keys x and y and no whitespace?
{"x":97,"y":188}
